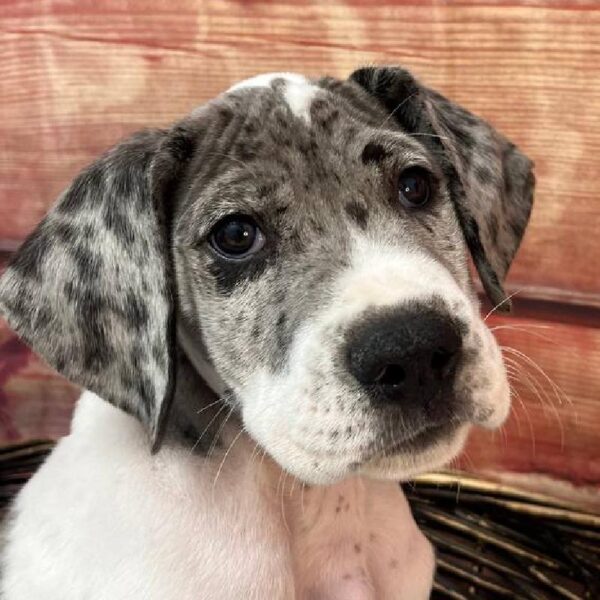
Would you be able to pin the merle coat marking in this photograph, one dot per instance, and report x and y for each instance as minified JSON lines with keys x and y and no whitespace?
{"x":120,"y":290}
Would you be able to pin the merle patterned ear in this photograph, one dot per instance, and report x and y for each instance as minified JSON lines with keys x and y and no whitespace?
{"x":491,"y":181}
{"x":90,"y":289}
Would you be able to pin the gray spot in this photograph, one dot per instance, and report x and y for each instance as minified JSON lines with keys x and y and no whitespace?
{"x":358,"y":213}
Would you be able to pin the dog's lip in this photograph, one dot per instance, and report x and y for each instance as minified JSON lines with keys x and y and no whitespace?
{"x":425,"y":438}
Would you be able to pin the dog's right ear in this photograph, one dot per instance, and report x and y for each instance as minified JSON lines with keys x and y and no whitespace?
{"x":490,"y":179}
{"x":90,"y":289}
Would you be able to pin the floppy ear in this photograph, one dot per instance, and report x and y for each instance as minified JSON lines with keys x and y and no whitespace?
{"x":90,"y":289}
{"x":491,"y":181}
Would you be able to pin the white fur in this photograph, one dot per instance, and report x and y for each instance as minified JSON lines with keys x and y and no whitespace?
{"x":103,"y":519}
{"x":311,"y":386}
{"x":299,"y":97}
{"x":298,"y":92}
{"x":265,"y":80}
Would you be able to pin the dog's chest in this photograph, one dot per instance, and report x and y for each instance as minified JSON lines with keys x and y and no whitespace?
{"x":357,"y":541}
{"x":116,"y":522}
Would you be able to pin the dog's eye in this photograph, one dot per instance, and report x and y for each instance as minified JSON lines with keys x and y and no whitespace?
{"x":414,"y":187}
{"x":236,"y":236}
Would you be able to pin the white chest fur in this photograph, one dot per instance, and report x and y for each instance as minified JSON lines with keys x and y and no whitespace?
{"x":103,"y":519}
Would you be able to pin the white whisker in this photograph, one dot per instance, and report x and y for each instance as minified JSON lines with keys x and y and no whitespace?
{"x":529,"y":422}
{"x":523,"y":329}
{"x":206,"y":429}
{"x":400,"y":105}
{"x":538,"y":389}
{"x":501,"y":303}
{"x":217,"y":401}
{"x":283,"y":515}
{"x":235,"y":439}
{"x":217,"y":435}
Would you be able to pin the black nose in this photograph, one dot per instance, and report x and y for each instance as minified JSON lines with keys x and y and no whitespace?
{"x":405,"y":354}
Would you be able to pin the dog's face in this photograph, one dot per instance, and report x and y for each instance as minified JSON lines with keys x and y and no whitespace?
{"x":314,"y":239}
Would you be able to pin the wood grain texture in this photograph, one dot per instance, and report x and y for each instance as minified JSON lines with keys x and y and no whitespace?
{"x":77,"y":76}
{"x":553,"y":427}
{"x":35,"y":403}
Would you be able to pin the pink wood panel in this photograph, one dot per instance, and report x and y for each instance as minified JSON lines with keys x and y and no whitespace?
{"x":555,"y":418}
{"x":79,"y":75}
{"x":35,"y":403}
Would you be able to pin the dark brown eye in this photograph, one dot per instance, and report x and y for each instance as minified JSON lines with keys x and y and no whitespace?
{"x":414,"y":187}
{"x":237,"y":237}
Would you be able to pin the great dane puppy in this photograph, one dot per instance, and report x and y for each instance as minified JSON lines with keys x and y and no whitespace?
{"x":270,"y":305}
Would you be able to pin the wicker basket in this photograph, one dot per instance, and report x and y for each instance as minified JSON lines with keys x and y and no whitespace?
{"x":492,"y":541}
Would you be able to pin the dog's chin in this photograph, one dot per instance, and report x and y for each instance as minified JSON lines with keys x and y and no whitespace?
{"x":431,"y":449}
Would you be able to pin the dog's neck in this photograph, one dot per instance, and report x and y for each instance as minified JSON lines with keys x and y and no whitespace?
{"x":191,"y":345}
{"x":203,"y":413}
{"x":361,"y":530}
{"x":200,"y":415}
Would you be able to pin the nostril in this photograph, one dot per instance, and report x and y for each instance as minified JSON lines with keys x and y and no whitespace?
{"x":391,"y":375}
{"x":442,"y":361}
{"x":403,"y":355}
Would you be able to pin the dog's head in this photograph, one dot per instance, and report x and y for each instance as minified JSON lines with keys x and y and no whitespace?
{"x":307,"y":239}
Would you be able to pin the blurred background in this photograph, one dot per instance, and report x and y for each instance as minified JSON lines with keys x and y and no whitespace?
{"x":78,"y":75}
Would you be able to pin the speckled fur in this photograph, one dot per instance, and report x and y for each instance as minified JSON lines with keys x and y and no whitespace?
{"x":123,"y":261}
{"x":491,"y":181}
{"x":90,"y":289}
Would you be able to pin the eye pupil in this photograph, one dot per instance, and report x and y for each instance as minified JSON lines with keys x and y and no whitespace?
{"x":414,"y":187}
{"x":235,"y":236}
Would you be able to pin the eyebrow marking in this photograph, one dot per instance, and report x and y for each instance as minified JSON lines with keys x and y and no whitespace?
{"x":373,"y":153}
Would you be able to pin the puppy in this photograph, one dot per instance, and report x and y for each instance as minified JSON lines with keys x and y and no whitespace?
{"x":270,"y":306}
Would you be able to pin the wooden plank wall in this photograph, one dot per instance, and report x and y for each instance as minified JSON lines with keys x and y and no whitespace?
{"x":78,"y":75}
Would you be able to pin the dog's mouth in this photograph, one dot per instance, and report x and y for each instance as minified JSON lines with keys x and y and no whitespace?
{"x":426,"y":438}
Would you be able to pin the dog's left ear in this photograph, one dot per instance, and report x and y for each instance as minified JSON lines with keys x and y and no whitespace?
{"x":491,"y":181}
{"x":90,"y":289}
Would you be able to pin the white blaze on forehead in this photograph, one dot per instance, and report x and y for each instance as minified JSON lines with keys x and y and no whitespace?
{"x":266,"y":79}
{"x":299,"y":97}
{"x":298,"y":91}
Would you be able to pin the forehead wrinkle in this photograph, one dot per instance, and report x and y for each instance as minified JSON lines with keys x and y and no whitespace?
{"x":223,"y":131}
